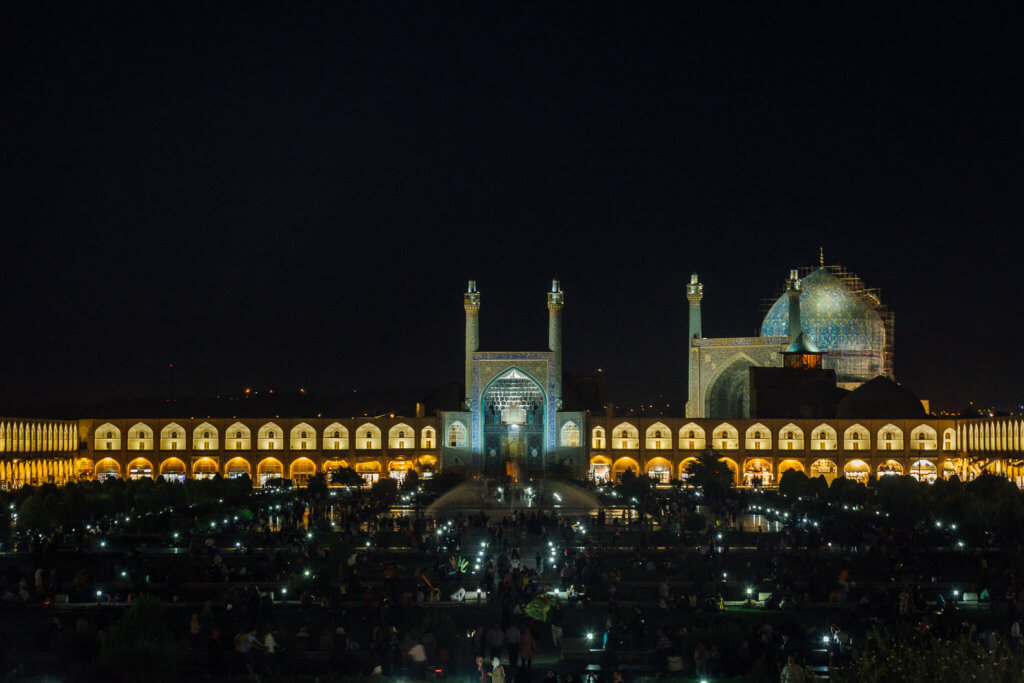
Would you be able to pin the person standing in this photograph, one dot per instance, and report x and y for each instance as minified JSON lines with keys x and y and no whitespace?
{"x":271,"y":648}
{"x":512,"y":642}
{"x":792,"y":672}
{"x":527,"y":646}
{"x":418,"y":655}
{"x":495,"y":640}
{"x":497,"y":671}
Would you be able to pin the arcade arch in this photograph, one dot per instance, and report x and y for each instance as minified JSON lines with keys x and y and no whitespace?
{"x":757,"y":472}
{"x":890,"y":438}
{"x":237,"y":437}
{"x":823,"y":438}
{"x":597,"y":438}
{"x":236,"y":467}
{"x":401,"y":437}
{"x":107,"y":438}
{"x":855,"y":438}
{"x":335,"y":437}
{"x":140,"y":437}
{"x":660,"y":470}
{"x":267,"y":469}
{"x":691,"y":437}
{"x":890,"y":468}
{"x":205,"y":437}
{"x":172,"y":437}
{"x":625,"y":437}
{"x":428,"y":438}
{"x":923,"y":438}
{"x":789,"y":464}
{"x":600,"y":468}
{"x":140,"y":468}
{"x":725,"y":437}
{"x":658,"y":437}
{"x":368,"y":437}
{"x":301,"y":470}
{"x":107,"y":468}
{"x":204,"y":468}
{"x":758,"y":438}
{"x":302,"y":437}
{"x":791,"y":438}
{"x":623,"y":464}
{"x":924,"y":470}
{"x":857,"y":470}
{"x":270,"y":437}
{"x":173,"y":470}
{"x":824,"y":467}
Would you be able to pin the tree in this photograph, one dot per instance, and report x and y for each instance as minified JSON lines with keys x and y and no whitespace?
{"x":411,"y":481}
{"x":633,"y":486}
{"x":346,"y":476}
{"x":794,"y":483}
{"x":140,"y":645}
{"x":384,"y":490}
{"x":904,"y":654}
{"x":713,"y":476}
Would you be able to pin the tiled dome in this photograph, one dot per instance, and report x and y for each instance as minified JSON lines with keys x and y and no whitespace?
{"x":836,"y":320}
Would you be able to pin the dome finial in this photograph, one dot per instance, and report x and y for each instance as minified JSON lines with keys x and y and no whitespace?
{"x":821,"y":257}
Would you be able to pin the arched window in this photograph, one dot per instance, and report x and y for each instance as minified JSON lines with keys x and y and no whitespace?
{"x":625,"y":436}
{"x":758,"y":438}
{"x":108,"y":438}
{"x":204,"y":437}
{"x":457,"y":435}
{"x":924,"y":438}
{"x":172,"y":437}
{"x":398,"y":437}
{"x":791,"y":439}
{"x":299,"y":439}
{"x":140,"y":437}
{"x":891,"y":438}
{"x":855,"y":438}
{"x":570,"y":436}
{"x":270,"y":437}
{"x":725,"y":437}
{"x":823,"y":438}
{"x":335,"y":437}
{"x":368,"y":437}
{"x":238,"y":438}
{"x":654,"y":437}
{"x":691,"y":437}
{"x":597,"y":438}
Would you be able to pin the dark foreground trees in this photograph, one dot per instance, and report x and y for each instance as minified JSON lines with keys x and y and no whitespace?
{"x":898,"y":654}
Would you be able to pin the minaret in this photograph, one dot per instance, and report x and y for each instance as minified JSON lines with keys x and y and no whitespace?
{"x":556,"y":300}
{"x":801,"y":354}
{"x":694,"y":293}
{"x":793,"y":290}
{"x":471,"y":301}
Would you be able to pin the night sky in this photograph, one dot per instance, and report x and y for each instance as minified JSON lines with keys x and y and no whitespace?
{"x":283,"y":199}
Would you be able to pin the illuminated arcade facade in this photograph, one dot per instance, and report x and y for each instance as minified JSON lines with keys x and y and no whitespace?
{"x":513,"y":422}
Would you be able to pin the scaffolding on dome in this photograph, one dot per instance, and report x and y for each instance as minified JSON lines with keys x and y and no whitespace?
{"x":870,"y":295}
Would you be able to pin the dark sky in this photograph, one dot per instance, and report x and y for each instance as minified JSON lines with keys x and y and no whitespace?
{"x":276,"y":198}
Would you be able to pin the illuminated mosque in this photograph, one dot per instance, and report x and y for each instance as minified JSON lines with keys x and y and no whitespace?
{"x":814,"y":392}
